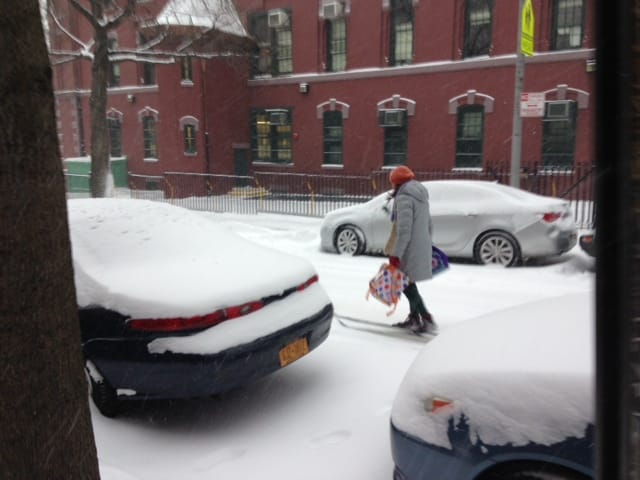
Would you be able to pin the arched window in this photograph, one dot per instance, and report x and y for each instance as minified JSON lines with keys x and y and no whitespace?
{"x":469,"y":136}
{"x":114,"y":122}
{"x":332,"y":137}
{"x":189,"y":128}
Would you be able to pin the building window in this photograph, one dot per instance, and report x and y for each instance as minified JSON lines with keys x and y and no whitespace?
{"x":272,"y":32}
{"x":189,"y":133}
{"x":559,"y":134}
{"x":186,"y":69}
{"x":469,"y":136}
{"x":401,"y":47}
{"x":148,"y":74}
{"x":150,"y":137}
{"x":114,"y":67}
{"x":115,"y":137}
{"x":394,"y":123}
{"x":477,"y":27}
{"x":336,"y":44}
{"x":568,"y":20}
{"x":332,"y":134}
{"x":271,"y":136}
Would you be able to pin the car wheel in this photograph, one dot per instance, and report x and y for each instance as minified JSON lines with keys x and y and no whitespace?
{"x":349,"y":241}
{"x":497,"y":248}
{"x":542,"y":473}
{"x":104,"y":397}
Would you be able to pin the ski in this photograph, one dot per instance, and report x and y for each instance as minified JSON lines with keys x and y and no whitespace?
{"x":380,"y":328}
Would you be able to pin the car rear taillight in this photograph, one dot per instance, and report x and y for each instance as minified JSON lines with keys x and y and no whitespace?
{"x":306,"y":284}
{"x":551,"y":217}
{"x":200,"y":322}
{"x":434,"y":404}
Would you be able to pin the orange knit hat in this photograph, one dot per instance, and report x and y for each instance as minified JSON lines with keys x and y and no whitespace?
{"x":400,"y":175}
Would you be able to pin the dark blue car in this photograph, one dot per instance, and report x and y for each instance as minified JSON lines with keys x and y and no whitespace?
{"x":174,"y":305}
{"x":508,"y":396}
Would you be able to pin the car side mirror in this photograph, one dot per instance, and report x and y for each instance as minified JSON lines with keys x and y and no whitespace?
{"x":385,"y":205}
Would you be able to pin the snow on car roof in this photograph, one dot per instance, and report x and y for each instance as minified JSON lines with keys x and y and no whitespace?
{"x":519,"y":376}
{"x":154,"y":260}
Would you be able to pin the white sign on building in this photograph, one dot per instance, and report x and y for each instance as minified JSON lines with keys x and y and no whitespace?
{"x":532,"y":104}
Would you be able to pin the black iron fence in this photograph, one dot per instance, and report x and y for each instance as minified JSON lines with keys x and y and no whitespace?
{"x":317,"y":194}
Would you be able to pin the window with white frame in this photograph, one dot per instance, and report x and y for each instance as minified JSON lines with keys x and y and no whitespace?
{"x":273,"y":35}
{"x":115,"y":135}
{"x":469,"y":136}
{"x":336,"y":32}
{"x":114,"y":67}
{"x":189,"y":129}
{"x":559,"y":134}
{"x":150,"y":136}
{"x":271,"y":135}
{"x":332,"y":137}
{"x":186,"y":69}
{"x":568,"y":24}
{"x":477,"y":27}
{"x":401,"y":32}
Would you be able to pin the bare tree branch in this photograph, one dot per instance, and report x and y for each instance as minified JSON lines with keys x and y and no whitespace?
{"x":84,"y":12}
{"x":123,"y":13}
{"x":75,"y":55}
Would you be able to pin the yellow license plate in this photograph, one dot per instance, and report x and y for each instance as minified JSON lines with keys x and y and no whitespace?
{"x":296,"y":349}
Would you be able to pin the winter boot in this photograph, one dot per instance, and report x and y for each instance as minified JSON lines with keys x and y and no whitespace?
{"x":411,"y":322}
{"x":427,"y":325}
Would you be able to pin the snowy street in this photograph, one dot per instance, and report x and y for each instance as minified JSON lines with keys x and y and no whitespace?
{"x":326,"y":416}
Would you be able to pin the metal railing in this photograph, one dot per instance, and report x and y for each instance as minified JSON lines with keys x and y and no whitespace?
{"x":316,"y":194}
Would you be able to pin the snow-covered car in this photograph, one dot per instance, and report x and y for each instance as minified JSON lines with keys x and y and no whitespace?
{"x":174,"y":305}
{"x":507,"y":396}
{"x":485,"y":221}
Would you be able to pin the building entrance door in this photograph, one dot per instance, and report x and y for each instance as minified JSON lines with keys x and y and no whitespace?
{"x":241,"y":166}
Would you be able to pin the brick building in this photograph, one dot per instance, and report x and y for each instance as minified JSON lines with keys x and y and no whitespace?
{"x":349,"y":86}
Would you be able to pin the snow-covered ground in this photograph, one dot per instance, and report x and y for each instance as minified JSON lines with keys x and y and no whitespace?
{"x":326,"y":415}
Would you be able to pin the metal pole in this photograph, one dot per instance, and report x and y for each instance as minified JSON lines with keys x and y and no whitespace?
{"x":516,"y":134}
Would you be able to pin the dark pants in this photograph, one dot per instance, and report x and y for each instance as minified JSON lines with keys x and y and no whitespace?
{"x":416,"y":305}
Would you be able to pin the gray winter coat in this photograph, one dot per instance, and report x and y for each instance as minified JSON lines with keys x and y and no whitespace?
{"x":413,"y":230}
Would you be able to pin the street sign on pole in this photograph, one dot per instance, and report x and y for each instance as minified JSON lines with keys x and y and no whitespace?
{"x":528,"y":27}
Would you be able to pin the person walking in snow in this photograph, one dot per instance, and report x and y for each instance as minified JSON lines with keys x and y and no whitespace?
{"x":409,"y":245}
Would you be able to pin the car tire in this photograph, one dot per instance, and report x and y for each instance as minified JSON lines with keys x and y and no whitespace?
{"x":105,"y":398}
{"x":544,"y":472}
{"x":349,"y":241}
{"x":496,"y":248}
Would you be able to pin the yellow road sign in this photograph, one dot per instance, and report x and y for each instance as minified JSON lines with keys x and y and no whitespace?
{"x":528,"y":24}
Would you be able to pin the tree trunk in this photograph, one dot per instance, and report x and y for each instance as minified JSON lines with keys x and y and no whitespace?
{"x":100,"y":166}
{"x":45,"y":422}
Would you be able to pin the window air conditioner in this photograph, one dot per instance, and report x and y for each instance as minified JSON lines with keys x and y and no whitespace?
{"x":277,"y":18}
{"x":331,"y":10}
{"x":279,"y":117}
{"x":558,"y":109}
{"x":392,"y":117}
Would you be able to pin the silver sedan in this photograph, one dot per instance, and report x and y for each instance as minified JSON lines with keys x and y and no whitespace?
{"x":485,"y":221}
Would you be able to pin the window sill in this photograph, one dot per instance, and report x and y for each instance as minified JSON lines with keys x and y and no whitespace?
{"x":272,"y":164}
{"x":186,"y":83}
{"x":187,"y":154}
{"x":151,"y":160}
{"x":467,"y":169}
{"x":332,"y":166}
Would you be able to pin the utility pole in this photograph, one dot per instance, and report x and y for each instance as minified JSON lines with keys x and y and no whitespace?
{"x":516,"y":134}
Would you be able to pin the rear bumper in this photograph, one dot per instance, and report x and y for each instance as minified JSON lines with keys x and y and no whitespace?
{"x":546,"y":242}
{"x":127,"y":365}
